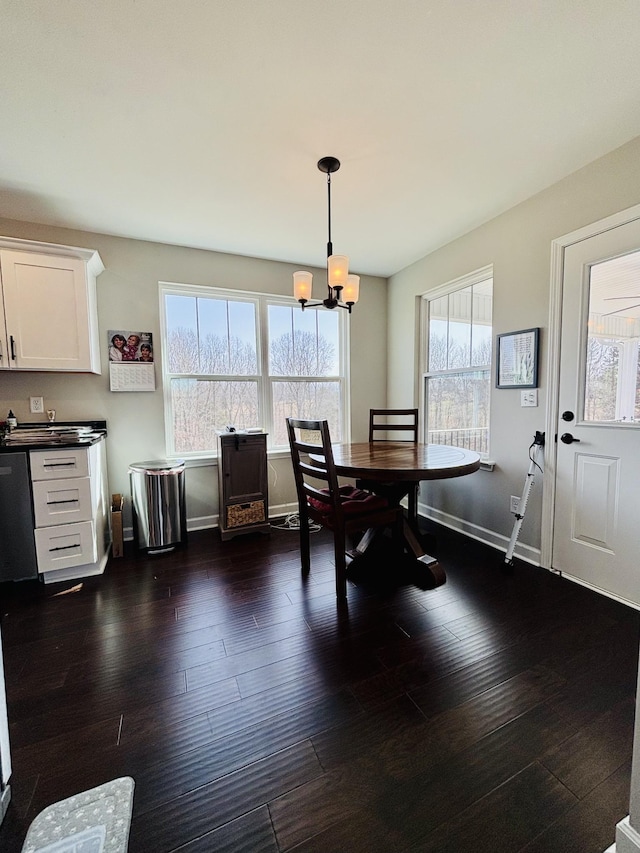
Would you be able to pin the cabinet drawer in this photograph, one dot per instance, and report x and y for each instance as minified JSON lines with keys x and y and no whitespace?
{"x":65,"y":546}
{"x":57,"y":464}
{"x":62,"y":501}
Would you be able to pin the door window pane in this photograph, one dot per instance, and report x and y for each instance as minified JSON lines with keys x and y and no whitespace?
{"x":602,"y":372}
{"x":611,"y":372}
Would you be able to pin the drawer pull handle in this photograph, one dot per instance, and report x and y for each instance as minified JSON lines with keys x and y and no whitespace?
{"x":63,"y":548}
{"x":70,"y":501}
{"x":50,"y":465}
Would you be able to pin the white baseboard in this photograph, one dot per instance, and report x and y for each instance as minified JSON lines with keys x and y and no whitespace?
{"x":627,"y":839}
{"x":474,"y":531}
{"x":5,"y":798}
{"x":481,"y":534}
{"x":204,"y":522}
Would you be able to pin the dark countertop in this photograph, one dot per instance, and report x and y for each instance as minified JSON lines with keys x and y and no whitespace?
{"x":62,"y":442}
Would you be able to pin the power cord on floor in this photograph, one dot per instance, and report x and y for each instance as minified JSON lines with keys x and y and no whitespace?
{"x":292,"y":522}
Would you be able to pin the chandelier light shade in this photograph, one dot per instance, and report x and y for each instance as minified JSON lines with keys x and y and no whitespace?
{"x":337,"y":271}
{"x":343,"y":289}
{"x":351,"y":289}
{"x":302,"y":283}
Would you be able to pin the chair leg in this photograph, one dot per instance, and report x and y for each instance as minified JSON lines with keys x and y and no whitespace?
{"x":339,"y":545}
{"x":305,"y":552}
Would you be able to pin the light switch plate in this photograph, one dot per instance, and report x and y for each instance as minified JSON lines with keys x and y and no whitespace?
{"x":529,"y":398}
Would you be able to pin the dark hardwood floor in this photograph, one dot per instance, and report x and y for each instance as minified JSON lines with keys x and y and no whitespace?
{"x":494,"y":713}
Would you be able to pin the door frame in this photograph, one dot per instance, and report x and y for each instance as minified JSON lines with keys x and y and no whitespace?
{"x":558,"y":247}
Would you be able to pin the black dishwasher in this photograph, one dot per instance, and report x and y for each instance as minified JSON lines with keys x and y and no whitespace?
{"x":17,"y":543}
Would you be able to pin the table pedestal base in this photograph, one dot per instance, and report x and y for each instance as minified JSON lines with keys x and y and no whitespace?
{"x":426,"y":564}
{"x":430,"y":564}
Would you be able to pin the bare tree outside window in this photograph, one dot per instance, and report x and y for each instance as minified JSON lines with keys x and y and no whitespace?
{"x":602,"y":364}
{"x":458,"y":377}
{"x":215,"y":378}
{"x":306,"y":355}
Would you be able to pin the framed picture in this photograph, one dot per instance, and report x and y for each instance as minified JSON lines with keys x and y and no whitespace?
{"x":517,"y":359}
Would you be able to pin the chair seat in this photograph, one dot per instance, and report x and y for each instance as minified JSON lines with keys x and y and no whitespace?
{"x":354,"y":502}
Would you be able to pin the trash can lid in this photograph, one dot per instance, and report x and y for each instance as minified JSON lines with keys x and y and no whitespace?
{"x":158,"y":466}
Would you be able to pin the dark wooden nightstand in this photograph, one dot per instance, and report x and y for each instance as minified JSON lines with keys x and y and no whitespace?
{"x":242,"y":481}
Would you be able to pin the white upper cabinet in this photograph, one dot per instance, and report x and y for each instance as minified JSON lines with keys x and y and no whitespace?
{"x":50,"y":317}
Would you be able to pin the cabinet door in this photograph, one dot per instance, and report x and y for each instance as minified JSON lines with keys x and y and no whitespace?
{"x":4,"y":347}
{"x":244,"y":468}
{"x":47,"y":311}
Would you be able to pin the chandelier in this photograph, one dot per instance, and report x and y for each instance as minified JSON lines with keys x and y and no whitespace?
{"x":343,"y":289}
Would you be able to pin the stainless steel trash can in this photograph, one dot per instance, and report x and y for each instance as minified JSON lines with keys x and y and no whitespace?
{"x":157,"y":500}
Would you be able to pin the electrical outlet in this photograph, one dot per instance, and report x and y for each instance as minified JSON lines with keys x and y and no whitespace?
{"x":515,"y":504}
{"x":37,"y":405}
{"x":529,"y":398}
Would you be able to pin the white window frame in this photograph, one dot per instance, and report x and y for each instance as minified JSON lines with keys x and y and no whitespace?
{"x":262,"y":301}
{"x":475,"y":277}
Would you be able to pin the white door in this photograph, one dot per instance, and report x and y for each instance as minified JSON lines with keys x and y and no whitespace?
{"x":596,"y":533}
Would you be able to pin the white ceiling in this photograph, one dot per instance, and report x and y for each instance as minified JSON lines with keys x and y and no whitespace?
{"x":200,"y":122}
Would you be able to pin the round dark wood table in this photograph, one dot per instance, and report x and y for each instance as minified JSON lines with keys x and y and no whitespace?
{"x":399,"y":467}
{"x":403,"y":461}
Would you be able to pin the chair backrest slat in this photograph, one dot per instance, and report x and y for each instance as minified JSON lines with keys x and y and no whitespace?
{"x":314,"y":471}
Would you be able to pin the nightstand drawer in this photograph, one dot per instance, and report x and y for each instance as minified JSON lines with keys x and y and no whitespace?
{"x":62,"y":501}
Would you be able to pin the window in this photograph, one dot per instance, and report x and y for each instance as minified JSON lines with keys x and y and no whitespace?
{"x":247,"y":360}
{"x":457,"y":343}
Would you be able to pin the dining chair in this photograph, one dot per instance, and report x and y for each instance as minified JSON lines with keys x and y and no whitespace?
{"x":389,"y":422}
{"x":342,"y":509}
{"x":393,"y":420}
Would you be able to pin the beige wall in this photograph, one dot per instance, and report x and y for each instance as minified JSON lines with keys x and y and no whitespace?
{"x":518,"y":244}
{"x":128,"y":298}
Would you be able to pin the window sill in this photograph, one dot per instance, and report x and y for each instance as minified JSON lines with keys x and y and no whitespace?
{"x":210,"y":459}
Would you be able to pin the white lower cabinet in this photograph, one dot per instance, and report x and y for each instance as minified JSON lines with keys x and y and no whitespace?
{"x":70,"y":502}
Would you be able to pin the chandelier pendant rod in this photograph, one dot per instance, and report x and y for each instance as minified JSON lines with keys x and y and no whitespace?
{"x":329,"y":243}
